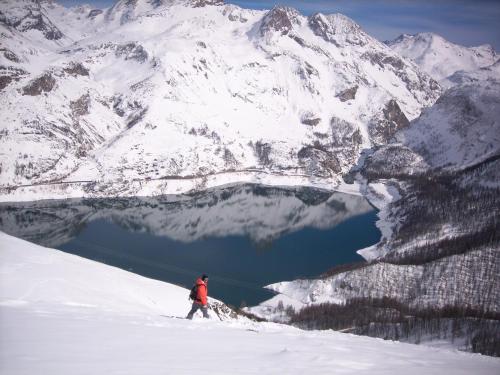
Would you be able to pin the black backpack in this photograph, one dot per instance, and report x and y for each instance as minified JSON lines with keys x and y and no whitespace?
{"x":194,"y":293}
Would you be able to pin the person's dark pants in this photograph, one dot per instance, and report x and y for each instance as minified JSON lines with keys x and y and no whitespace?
{"x":195,"y":308}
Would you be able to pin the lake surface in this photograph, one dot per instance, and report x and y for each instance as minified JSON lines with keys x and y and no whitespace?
{"x":244,"y":237}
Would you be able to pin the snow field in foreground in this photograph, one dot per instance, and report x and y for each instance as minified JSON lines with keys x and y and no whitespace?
{"x":61,"y":314}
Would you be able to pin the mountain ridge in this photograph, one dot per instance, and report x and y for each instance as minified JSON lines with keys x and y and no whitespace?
{"x":441,"y":58}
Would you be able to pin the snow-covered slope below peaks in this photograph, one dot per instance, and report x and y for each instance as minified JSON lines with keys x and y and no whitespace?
{"x":439,"y":57}
{"x":461,"y":129}
{"x":59,"y":316}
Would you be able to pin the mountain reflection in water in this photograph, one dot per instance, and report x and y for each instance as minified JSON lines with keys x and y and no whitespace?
{"x":244,"y":236}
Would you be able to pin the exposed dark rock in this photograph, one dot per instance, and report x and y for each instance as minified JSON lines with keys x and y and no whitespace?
{"x":80,"y":107}
{"x":31,"y":17}
{"x":118,"y":106}
{"x":133,"y":110}
{"x":337,"y":29}
{"x":9,"y":74}
{"x":76,"y":69}
{"x":44,"y":83}
{"x":263,"y":151}
{"x":310,"y":70}
{"x":318,"y":160}
{"x":94,"y":13}
{"x":383,"y":60}
{"x":320,"y":135}
{"x":132,"y":51}
{"x":345,"y":134}
{"x":229,"y":159}
{"x":393,"y":113}
{"x":135,"y":117}
{"x":348,"y":94}
{"x":9,"y":55}
{"x":234,"y":15}
{"x":306,"y":72}
{"x":5,"y":81}
{"x":202,"y":3}
{"x":310,"y":119}
{"x":280,"y":19}
{"x":319,"y":26}
{"x":383,"y":127}
{"x":301,"y":42}
{"x":141,"y":85}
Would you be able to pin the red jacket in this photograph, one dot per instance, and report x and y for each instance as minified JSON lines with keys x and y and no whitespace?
{"x":201,"y":297}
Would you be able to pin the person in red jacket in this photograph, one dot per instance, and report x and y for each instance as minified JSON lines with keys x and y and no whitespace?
{"x":200,"y":301}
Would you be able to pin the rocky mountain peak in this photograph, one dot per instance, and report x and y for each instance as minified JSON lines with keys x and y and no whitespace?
{"x":28,"y":15}
{"x":280,"y":19}
{"x":337,"y":29}
{"x":441,"y":58}
{"x":399,"y":39}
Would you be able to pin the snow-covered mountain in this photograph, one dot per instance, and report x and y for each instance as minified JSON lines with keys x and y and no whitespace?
{"x":441,"y":58}
{"x":460,"y":130}
{"x":63,"y":314}
{"x":151,"y":97}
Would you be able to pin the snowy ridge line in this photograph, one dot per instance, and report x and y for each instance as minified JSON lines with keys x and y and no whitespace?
{"x":440,"y":58}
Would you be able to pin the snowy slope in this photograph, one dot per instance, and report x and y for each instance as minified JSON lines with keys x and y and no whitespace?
{"x":57,"y":318}
{"x":461,"y":129}
{"x":34,"y":276}
{"x":439,"y":57}
{"x":168,"y":96}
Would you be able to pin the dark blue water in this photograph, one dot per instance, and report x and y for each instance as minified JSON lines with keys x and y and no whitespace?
{"x":238,"y":264}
